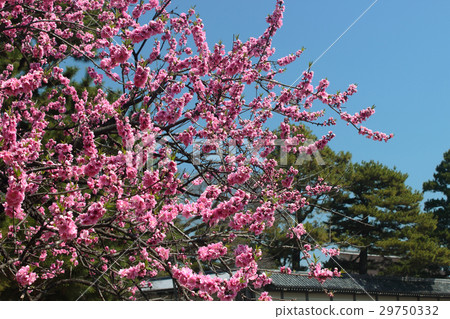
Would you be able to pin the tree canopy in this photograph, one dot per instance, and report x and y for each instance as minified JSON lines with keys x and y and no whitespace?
{"x":380,"y":215}
{"x":440,"y":207}
{"x":101,"y":190}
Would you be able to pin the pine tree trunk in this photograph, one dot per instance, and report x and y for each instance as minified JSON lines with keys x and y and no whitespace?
{"x":363,"y":261}
{"x":296,"y":260}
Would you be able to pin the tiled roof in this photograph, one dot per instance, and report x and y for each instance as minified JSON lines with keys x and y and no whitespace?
{"x":363,"y":283}
{"x":359,"y":284}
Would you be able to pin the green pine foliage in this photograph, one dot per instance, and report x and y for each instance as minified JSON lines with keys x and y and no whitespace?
{"x":380,"y":214}
{"x":440,"y":207}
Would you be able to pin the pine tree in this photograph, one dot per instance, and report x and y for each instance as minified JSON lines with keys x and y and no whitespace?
{"x":440,"y":207}
{"x":379,"y":214}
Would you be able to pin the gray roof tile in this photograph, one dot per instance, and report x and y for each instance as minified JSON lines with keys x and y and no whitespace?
{"x":361,"y":283}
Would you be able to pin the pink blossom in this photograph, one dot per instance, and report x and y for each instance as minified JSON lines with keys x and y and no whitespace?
{"x":376,"y":136}
{"x":265,"y":296}
{"x":66,"y":227}
{"x":146,"y":31}
{"x":322,"y":274}
{"x":285,"y":270}
{"x":186,"y":137}
{"x":286,"y":60}
{"x":330,"y":252}
{"x":261,"y":281}
{"x":14,"y":196}
{"x":242,"y":174}
{"x":163,"y":252}
{"x":25,"y":277}
{"x":119,"y":54}
{"x":168,"y":213}
{"x":197,"y":181}
{"x":244,"y":255}
{"x":92,"y":169}
{"x":363,"y":115}
{"x":133,"y":272}
{"x":297,"y":231}
{"x":141,"y":76}
{"x":108,"y":32}
{"x":94,"y":213}
{"x":43,"y":255}
{"x":212,"y":251}
{"x":150,"y":179}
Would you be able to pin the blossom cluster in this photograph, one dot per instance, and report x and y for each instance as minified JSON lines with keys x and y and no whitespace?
{"x":358,"y":118}
{"x":297,"y":231}
{"x":322,"y":274}
{"x":212,"y":251}
{"x":87,"y":170}
{"x":25,"y":276}
{"x":205,"y":286}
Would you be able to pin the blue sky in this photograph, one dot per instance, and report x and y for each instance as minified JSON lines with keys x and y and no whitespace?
{"x":398,"y":53}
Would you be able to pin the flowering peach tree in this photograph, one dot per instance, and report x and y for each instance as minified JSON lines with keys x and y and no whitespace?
{"x":171,"y":177}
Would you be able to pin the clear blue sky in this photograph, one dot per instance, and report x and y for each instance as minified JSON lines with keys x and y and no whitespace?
{"x":398,"y":53}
